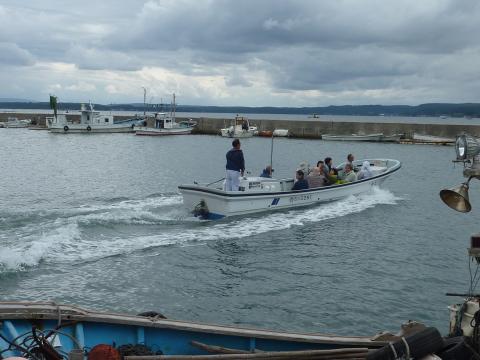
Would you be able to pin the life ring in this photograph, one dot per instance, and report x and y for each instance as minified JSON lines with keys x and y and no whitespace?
{"x":65,"y":128}
{"x":89,"y":128}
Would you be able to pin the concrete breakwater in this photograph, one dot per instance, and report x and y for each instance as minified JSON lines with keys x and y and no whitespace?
{"x":312,"y":129}
{"x":315,"y":129}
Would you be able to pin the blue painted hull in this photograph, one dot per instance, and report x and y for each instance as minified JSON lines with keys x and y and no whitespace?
{"x":83,"y":329}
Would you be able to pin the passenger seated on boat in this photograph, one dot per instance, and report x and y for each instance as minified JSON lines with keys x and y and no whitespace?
{"x":316,"y":178}
{"x":331,"y":168}
{"x":365,"y":172}
{"x":301,"y":183}
{"x":267,"y":172}
{"x":348,"y":175}
{"x":350,"y":160}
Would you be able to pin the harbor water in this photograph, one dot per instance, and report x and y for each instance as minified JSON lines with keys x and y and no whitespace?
{"x":97,"y":220}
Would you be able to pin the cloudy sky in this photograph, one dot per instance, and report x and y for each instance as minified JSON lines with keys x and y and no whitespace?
{"x":241,"y":52}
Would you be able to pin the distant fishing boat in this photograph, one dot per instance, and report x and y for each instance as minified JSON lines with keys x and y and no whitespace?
{"x":353,"y":137}
{"x":13,"y":122}
{"x":431,"y":139}
{"x":241,"y":128}
{"x":165,"y":124}
{"x":91,"y":121}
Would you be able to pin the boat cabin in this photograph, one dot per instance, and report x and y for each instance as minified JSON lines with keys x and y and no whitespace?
{"x":164,"y":121}
{"x":242,"y":123}
{"x":90,"y":116}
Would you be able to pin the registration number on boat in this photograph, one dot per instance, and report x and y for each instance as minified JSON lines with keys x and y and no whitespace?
{"x":302,"y":197}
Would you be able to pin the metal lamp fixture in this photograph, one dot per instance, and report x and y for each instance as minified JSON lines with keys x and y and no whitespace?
{"x":466,"y":147}
{"x":457,"y":197}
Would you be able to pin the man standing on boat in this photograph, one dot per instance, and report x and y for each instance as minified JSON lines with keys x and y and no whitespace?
{"x":235,"y":167}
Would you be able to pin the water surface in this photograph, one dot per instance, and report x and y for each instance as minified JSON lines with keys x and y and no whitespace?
{"x":97,"y":220}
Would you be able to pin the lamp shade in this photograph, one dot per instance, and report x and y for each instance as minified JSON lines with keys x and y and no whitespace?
{"x":457,"y":198}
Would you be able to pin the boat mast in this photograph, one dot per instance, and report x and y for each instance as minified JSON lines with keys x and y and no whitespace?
{"x":174,"y":106}
{"x":144,"y":100}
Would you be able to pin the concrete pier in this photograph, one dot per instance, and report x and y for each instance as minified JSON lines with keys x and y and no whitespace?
{"x":314,"y":129}
{"x":311,"y":129}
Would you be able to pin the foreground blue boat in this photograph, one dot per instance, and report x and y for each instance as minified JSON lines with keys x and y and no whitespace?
{"x":74,"y":332}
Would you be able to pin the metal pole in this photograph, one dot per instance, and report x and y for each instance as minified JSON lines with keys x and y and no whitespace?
{"x":144,"y":99}
{"x":271,"y":156}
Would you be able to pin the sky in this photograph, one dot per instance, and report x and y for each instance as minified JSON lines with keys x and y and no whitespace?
{"x":291,"y":53}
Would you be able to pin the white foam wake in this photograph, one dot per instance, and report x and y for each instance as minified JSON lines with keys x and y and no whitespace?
{"x":65,"y":242}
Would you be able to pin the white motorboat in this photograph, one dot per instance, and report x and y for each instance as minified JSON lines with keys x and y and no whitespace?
{"x":13,"y":122}
{"x":258,"y":194}
{"x":165,"y":124}
{"x":91,"y":121}
{"x":353,"y":137}
{"x":391,"y":138}
{"x":240,"y":129}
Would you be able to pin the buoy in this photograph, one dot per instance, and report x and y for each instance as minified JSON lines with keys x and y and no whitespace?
{"x":89,"y":128}
{"x":103,"y":352}
{"x":65,"y":128}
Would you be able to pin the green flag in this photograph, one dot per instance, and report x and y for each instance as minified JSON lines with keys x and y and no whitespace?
{"x":53,"y":104}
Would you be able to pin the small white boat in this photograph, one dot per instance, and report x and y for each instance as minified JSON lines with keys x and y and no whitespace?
{"x":91,"y":121}
{"x":165,"y":124}
{"x":258,"y":194}
{"x":280,"y":132}
{"x":240,"y":129}
{"x":391,"y":138}
{"x":353,"y":137}
{"x":13,"y":123}
{"x":431,"y":139}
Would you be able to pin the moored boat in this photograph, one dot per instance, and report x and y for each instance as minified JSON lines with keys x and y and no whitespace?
{"x":14,"y":123}
{"x":265,"y":133}
{"x":280,"y":132}
{"x":241,"y":128}
{"x":353,"y":137}
{"x":165,"y":124}
{"x":34,"y":327}
{"x":391,"y":138}
{"x":259,"y":194}
{"x":91,"y":121}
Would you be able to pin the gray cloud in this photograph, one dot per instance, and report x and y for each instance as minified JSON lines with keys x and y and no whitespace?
{"x":246,"y":52}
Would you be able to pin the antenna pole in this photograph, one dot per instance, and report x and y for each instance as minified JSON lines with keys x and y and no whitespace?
{"x":271,"y":156}
{"x":144,"y":99}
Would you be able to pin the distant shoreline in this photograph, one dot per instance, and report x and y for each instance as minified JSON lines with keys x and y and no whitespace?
{"x":468,"y":110}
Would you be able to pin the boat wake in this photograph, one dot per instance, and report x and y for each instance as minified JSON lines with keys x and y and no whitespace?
{"x":92,"y":232}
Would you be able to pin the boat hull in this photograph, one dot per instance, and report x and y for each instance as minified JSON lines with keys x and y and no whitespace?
{"x":83,"y":329}
{"x":370,"y":137}
{"x":237,"y":133}
{"x":144,"y":131}
{"x":216,"y":204}
{"x":89,"y":129}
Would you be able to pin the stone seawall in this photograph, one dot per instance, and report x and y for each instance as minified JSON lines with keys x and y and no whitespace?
{"x":304,"y":129}
{"x":314,"y":129}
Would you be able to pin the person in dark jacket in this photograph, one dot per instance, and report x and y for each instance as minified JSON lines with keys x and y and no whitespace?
{"x":235,"y":167}
{"x":267,"y":172}
{"x":301,"y":183}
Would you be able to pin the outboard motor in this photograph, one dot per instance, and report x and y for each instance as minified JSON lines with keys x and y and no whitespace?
{"x":201,"y":210}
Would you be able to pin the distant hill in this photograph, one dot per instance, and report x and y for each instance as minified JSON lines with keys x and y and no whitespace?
{"x":433,"y":109}
{"x":13,"y":100}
